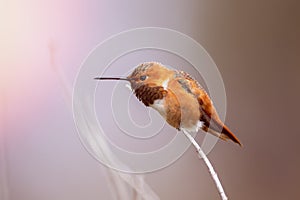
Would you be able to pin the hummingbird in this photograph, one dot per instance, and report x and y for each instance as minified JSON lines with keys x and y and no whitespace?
{"x":178,"y":98}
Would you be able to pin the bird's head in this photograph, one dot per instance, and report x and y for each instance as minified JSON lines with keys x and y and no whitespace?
{"x":149,"y":73}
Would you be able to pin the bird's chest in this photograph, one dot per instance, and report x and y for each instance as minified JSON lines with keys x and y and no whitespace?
{"x":151,"y":96}
{"x":161,"y":106}
{"x":179,"y":108}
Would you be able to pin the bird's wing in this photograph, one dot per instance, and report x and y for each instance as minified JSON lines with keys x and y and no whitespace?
{"x":209,"y":115}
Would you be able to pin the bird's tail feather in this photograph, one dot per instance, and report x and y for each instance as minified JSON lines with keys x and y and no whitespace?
{"x":225,"y":135}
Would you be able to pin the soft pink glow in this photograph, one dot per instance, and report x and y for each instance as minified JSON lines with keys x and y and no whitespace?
{"x":255,"y":45}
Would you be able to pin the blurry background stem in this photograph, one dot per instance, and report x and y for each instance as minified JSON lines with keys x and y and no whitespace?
{"x":4,"y":189}
{"x":123,"y":186}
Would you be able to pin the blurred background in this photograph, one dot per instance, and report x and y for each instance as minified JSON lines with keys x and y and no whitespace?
{"x":255,"y":45}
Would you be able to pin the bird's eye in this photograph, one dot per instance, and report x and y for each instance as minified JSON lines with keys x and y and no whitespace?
{"x":142,"y":78}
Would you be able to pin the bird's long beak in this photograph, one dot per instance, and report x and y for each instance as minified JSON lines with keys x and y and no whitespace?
{"x":116,"y":78}
{"x":112,"y":78}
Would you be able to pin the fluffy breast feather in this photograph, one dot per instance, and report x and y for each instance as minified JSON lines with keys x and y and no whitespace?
{"x":159,"y":105}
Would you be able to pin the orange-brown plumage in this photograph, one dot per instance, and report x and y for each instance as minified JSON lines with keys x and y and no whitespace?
{"x":209,"y":115}
{"x":179,"y":98}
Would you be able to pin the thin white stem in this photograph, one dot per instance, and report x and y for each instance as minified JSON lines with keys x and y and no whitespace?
{"x":208,"y":164}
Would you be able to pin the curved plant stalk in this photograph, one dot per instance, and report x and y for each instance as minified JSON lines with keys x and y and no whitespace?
{"x":4,"y":185}
{"x":212,"y":172}
{"x":124,"y":185}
